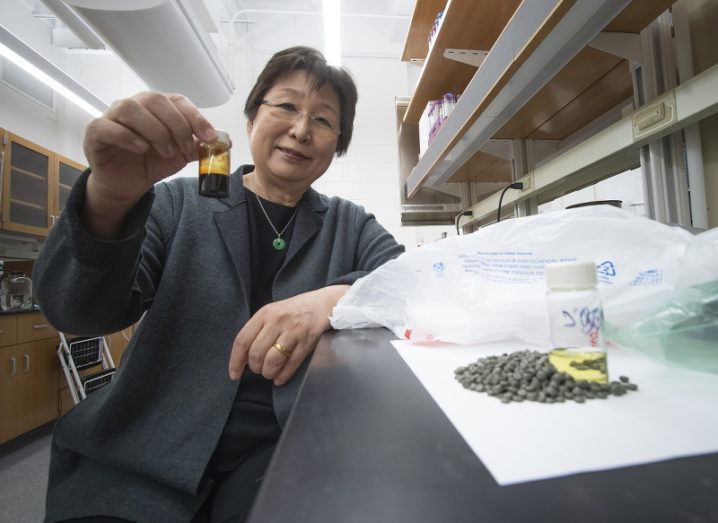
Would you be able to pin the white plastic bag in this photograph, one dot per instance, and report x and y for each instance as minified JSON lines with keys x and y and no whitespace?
{"x":489,"y":285}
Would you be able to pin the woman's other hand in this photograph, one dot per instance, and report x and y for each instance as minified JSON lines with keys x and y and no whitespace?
{"x":294,"y":324}
{"x":138,"y":142}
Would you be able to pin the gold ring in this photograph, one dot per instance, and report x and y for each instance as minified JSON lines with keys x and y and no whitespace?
{"x":281,"y":348}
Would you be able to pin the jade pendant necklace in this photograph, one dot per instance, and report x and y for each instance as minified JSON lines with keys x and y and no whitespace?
{"x":278,"y":243}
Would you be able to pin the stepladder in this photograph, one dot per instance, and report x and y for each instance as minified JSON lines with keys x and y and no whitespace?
{"x":87,"y":364}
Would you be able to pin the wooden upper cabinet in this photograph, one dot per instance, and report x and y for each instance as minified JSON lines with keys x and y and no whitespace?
{"x":68,"y":172}
{"x":36,"y":183}
{"x":27,"y":177}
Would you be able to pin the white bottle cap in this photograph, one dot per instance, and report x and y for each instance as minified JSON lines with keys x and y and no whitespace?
{"x":572,"y":275}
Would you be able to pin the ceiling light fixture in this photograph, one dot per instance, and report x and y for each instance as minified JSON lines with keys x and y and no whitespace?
{"x":18,"y":52}
{"x":332,"y":34}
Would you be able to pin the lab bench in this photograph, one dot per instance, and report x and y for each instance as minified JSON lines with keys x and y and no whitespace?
{"x":366,"y":442}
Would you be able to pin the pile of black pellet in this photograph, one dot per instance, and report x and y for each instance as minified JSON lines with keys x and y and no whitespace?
{"x":529,"y":376}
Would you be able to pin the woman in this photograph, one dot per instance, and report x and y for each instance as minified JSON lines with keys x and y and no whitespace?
{"x":187,"y":426}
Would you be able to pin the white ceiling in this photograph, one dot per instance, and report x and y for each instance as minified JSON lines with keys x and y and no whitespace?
{"x":373,"y":29}
{"x":393,"y":8}
{"x":366,"y":25}
{"x":377,"y":7}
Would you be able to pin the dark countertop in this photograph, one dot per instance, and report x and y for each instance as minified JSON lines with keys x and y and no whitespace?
{"x":367,"y":443}
{"x":19,"y":311}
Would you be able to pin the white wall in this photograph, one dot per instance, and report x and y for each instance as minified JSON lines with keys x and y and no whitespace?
{"x":627,"y":187}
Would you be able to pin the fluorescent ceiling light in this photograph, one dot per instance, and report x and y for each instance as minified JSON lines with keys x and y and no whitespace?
{"x":332,"y":35}
{"x":25,"y":57}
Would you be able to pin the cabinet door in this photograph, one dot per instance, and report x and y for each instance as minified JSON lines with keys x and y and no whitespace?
{"x":33,"y":326}
{"x":67,"y":174}
{"x":46,"y":383}
{"x":25,"y":386}
{"x":27,"y":175}
{"x":65,"y":402}
{"x":8,"y":330}
{"x":9,"y":368}
{"x":117,"y":344}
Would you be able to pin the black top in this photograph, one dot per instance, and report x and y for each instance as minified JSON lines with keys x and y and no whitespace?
{"x":252,"y":423}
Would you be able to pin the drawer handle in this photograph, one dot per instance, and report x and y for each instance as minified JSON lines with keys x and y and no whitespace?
{"x":40,"y":326}
{"x":13,"y":366}
{"x":26,"y":357}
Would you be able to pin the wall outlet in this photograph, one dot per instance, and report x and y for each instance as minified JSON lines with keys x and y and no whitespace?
{"x":528,"y":181}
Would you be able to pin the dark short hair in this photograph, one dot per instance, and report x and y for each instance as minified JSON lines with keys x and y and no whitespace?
{"x":314,"y":64}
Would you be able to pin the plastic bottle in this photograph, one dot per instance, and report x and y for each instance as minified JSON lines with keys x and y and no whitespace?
{"x":575,"y":316}
{"x":435,"y":29}
{"x":449,"y":103}
{"x":436,"y":119}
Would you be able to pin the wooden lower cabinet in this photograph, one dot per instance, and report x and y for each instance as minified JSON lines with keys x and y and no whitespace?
{"x":117,"y":342}
{"x":33,"y":388}
{"x":64,"y":400}
{"x":8,"y":331}
{"x":9,"y":393}
{"x":27,"y":377}
{"x":28,"y":388}
{"x":33,"y":327}
{"x":47,"y":380}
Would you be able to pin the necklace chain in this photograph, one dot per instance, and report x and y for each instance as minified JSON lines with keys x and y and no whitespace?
{"x":278,"y":233}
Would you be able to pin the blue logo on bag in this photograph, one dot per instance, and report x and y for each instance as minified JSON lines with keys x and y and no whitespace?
{"x":606,"y":271}
{"x":438,"y":267}
{"x":649,"y":277}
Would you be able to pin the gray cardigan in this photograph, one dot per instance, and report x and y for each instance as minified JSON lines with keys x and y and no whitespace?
{"x":138,"y":448}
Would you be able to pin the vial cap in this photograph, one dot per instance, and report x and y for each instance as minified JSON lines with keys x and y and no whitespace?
{"x":572,"y":275}
{"x":223,"y":137}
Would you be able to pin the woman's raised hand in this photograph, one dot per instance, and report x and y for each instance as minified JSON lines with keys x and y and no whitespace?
{"x":141,"y":140}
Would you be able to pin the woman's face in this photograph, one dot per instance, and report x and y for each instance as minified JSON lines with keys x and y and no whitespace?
{"x":292,"y":154}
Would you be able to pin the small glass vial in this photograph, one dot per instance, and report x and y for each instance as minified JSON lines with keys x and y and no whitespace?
{"x":214,"y":166}
{"x":575,"y":316}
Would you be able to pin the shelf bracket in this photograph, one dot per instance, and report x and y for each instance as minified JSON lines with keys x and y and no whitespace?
{"x":466,"y":56}
{"x":623,"y":45}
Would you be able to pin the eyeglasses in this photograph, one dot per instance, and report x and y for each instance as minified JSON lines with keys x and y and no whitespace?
{"x":288,"y":112}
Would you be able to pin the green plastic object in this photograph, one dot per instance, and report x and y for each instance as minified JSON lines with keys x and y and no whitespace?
{"x":682,"y":332}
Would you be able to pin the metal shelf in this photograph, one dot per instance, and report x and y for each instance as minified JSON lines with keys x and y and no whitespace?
{"x":539,"y":81}
{"x":615,"y":147}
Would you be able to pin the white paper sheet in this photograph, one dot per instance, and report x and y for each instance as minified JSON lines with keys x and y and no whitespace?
{"x":674,"y":413}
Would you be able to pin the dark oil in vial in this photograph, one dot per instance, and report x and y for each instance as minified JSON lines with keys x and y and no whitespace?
{"x":214,"y":185}
{"x":214,"y":169}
